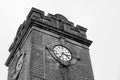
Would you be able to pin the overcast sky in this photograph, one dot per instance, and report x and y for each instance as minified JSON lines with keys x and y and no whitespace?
{"x":100,"y":17}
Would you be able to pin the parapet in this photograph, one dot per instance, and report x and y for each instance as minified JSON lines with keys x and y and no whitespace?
{"x":57,"y":21}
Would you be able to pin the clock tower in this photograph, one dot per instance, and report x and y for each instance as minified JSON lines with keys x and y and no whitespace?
{"x":49,"y":48}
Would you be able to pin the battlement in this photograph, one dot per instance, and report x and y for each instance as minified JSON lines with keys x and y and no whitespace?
{"x":57,"y":21}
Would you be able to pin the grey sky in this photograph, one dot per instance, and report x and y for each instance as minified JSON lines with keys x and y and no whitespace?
{"x":100,"y":17}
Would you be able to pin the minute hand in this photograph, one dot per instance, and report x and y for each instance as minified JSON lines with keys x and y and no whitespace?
{"x":61,"y":54}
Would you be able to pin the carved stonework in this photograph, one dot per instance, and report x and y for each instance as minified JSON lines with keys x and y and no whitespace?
{"x":19,"y":64}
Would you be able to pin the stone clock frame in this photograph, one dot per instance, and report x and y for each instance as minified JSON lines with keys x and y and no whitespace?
{"x":37,"y":36}
{"x":61,"y":42}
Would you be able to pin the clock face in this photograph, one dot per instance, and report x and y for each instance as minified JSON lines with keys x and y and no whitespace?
{"x":62,"y":53}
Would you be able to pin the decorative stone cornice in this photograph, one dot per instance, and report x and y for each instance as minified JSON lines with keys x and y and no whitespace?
{"x":57,"y":21}
{"x":60,"y":24}
{"x":57,"y":24}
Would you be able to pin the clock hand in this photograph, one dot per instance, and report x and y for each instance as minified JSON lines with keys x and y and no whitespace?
{"x":61,"y":54}
{"x":67,"y":55}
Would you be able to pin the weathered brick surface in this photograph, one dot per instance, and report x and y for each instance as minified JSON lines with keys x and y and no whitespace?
{"x":37,"y":55}
{"x":12,"y":68}
{"x":24,"y":73}
{"x":82,"y":70}
{"x":51,"y":65}
{"x":40,"y":65}
{"x":35,"y":78}
{"x":51,"y":68}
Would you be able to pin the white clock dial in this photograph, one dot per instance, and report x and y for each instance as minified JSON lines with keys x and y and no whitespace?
{"x":62,"y":53}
